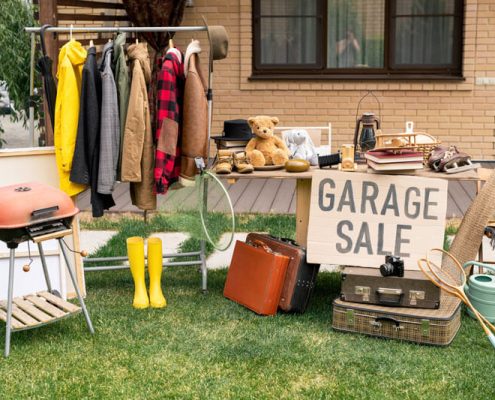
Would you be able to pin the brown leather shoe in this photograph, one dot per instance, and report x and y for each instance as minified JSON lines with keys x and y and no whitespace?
{"x":224,"y":162}
{"x":241,"y":163}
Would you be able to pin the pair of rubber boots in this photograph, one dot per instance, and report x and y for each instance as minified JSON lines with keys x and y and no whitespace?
{"x":135,"y":252}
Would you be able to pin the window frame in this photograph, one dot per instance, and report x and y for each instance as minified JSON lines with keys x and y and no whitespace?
{"x":390,"y":70}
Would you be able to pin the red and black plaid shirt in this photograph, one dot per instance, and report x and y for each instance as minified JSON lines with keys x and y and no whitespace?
{"x":169,"y":100}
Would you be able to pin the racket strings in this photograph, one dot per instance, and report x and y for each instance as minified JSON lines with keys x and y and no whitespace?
{"x":426,"y":268}
{"x":450,"y":270}
{"x":451,"y":278}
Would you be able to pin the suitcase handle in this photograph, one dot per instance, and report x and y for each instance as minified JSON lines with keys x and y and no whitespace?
{"x":390,"y":292}
{"x":380,"y":320}
{"x":259,"y":243}
{"x":287,"y":240}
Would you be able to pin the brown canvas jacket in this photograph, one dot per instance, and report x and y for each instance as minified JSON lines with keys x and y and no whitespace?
{"x":138,"y":150}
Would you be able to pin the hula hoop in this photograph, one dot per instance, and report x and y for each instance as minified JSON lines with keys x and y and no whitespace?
{"x":202,"y":209}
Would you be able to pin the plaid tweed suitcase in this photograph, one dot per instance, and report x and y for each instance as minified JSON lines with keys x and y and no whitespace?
{"x":425,"y":326}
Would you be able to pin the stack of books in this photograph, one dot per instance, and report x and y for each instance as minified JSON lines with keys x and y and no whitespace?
{"x":232,"y":145}
{"x":389,"y":161}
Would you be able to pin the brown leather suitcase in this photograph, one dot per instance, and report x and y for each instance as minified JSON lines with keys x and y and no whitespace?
{"x":300,"y":278}
{"x":367,"y":285}
{"x":419,"y":325}
{"x":255,"y":277}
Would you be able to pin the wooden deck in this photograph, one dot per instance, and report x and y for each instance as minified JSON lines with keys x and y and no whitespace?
{"x":268,"y":196}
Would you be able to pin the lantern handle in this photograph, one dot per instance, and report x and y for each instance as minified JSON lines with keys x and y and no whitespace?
{"x":378,"y":102}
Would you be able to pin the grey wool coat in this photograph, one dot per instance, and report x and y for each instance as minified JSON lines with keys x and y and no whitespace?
{"x":85,"y":163}
{"x":122,"y":79}
{"x":110,"y":125}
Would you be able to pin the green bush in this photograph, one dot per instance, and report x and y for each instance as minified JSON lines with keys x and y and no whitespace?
{"x":15,"y":47}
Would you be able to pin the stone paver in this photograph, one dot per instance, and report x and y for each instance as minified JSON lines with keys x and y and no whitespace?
{"x":171,"y":240}
{"x":92,"y":240}
{"x":221,"y":259}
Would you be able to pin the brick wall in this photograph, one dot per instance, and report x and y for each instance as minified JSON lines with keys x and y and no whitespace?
{"x":456,"y":112}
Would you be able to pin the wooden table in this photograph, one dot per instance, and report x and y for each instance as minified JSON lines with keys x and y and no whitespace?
{"x":303,"y":188}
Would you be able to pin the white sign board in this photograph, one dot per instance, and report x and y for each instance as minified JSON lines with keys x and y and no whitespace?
{"x":358,"y":218}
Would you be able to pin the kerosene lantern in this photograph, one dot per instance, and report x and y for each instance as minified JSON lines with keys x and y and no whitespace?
{"x":366,"y":127}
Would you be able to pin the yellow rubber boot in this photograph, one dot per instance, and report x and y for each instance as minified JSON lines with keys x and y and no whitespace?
{"x":155,"y":266}
{"x":135,"y":252}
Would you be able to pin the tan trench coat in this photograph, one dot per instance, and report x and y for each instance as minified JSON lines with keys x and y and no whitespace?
{"x":138,"y":150}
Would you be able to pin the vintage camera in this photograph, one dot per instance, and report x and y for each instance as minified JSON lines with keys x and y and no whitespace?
{"x":393,"y":266}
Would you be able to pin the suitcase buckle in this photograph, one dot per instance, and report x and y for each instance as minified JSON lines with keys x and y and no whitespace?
{"x":425,"y":327}
{"x":363,"y":291}
{"x":350,"y":317}
{"x":415,"y":295}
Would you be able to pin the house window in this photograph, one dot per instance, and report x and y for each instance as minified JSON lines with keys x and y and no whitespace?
{"x":357,"y":38}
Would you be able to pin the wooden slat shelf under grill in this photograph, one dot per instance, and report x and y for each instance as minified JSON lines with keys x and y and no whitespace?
{"x":37,"y":309}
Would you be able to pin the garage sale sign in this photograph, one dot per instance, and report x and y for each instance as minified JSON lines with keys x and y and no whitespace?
{"x":358,"y":218}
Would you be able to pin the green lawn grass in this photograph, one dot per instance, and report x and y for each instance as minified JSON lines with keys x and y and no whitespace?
{"x":207,"y":347}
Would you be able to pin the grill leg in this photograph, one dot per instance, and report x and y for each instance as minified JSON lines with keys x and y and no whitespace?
{"x":10,"y":295}
{"x":76,"y":287}
{"x":45,"y":269}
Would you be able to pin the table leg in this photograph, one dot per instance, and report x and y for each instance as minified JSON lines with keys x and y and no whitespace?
{"x":303,"y":199}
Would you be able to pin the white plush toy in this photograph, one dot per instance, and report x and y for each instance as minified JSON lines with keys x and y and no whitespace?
{"x":300,"y":145}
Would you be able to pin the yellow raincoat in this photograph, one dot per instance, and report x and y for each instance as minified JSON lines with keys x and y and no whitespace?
{"x":69,"y":73}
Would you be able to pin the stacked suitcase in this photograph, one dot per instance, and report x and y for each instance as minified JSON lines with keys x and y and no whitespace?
{"x":269,"y":273}
{"x":408,"y":308}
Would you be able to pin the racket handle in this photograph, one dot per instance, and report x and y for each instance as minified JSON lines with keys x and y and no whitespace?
{"x":491,"y":338}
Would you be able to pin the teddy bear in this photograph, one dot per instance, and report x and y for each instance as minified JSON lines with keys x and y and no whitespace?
{"x":266,"y":148}
{"x":300,"y":145}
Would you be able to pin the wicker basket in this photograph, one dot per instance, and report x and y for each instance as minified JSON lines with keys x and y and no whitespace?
{"x":418,"y":141}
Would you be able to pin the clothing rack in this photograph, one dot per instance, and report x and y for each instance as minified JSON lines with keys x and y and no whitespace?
{"x":201,"y":254}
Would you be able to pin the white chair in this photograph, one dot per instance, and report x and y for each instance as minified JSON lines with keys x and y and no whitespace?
{"x":320,"y":135}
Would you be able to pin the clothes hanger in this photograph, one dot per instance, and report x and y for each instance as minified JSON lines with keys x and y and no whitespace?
{"x":91,"y":44}
{"x":70,"y":31}
{"x":170,"y":44}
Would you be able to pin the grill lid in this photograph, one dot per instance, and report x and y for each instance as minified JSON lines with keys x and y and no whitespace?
{"x":32,"y":203}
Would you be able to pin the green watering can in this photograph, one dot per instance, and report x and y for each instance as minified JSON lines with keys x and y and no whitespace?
{"x":480,"y":289}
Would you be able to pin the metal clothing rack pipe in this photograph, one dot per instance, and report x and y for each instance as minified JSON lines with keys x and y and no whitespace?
{"x":119,"y":267}
{"x":117,"y":29}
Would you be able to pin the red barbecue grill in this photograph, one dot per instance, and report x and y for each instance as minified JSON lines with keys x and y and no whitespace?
{"x":36,"y":212}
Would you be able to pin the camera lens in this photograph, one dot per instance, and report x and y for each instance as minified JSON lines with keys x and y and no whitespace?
{"x":387,"y":269}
